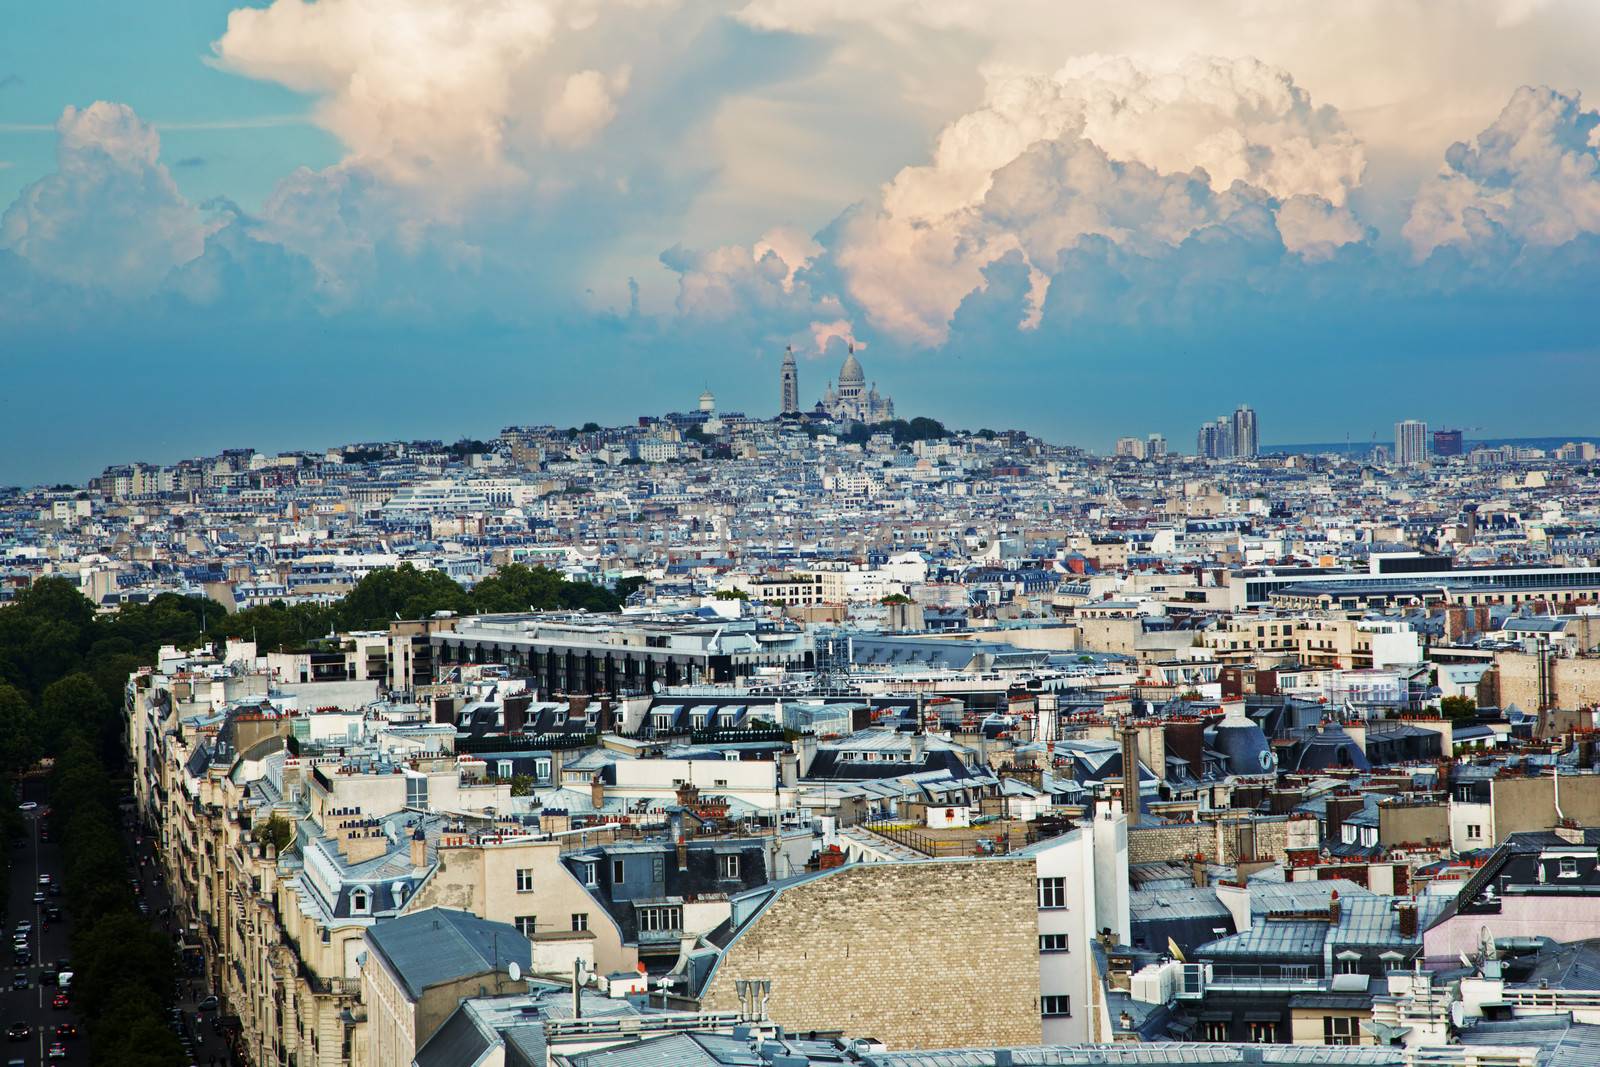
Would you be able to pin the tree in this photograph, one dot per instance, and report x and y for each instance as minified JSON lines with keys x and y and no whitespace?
{"x":522,"y":785}
{"x":730,"y":594}
{"x":515,"y":587}
{"x":277,"y":831}
{"x":1458,"y":708}
{"x":895,"y":598}
{"x":19,"y":731}
{"x":402,"y":592}
{"x":77,"y":701}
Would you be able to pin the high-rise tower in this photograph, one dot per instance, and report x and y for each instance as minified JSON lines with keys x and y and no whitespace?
{"x":1410,"y":443}
{"x":790,"y":376}
{"x":1244,"y":432}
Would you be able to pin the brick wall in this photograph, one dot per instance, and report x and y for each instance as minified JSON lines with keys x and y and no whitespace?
{"x":1224,"y":842}
{"x":918,"y":955}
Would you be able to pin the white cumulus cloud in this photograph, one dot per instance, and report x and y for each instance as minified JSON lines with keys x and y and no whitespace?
{"x":1533,"y":175}
{"x":110,"y":215}
{"x":1104,"y":148}
{"x":437,"y":90}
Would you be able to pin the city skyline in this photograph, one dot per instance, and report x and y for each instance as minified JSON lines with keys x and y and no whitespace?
{"x":257,"y":203}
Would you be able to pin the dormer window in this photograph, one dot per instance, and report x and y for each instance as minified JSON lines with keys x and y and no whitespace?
{"x":358,"y":902}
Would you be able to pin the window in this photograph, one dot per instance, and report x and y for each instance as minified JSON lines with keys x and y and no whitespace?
{"x":358,"y":902}
{"x":1264,"y":1033}
{"x":1052,"y":892}
{"x":1474,"y":831}
{"x":728,"y":867}
{"x":527,"y":924}
{"x":590,"y":871}
{"x":580,"y":921}
{"x":666,"y":918}
{"x":541,"y":769}
{"x":658,"y":869}
{"x":1350,"y":966}
{"x":505,"y":769}
{"x":416,"y":791}
{"x":719,"y":783}
{"x":1569,"y":867}
{"x":1052,"y":942}
{"x":524,"y":879}
{"x":1216,"y":1030}
{"x":617,"y":872}
{"x":1058,"y":1006}
{"x":1338,"y":1030}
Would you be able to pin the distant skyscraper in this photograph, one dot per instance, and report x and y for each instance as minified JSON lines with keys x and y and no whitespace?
{"x":1447,"y":443}
{"x":1131,"y":447}
{"x":790,"y":376}
{"x":1215,"y":439}
{"x":1244,"y":432}
{"x":1410,"y":443}
{"x":1156,"y":447}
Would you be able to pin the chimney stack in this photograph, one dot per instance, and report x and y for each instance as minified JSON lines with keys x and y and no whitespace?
{"x":1197,"y":870}
{"x":1407,"y":910}
{"x":1333,"y":908}
{"x":597,"y":791}
{"x":419,"y":848}
{"x":1130,"y":775}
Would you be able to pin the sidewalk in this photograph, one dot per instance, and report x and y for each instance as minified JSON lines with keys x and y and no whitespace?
{"x":210,"y":1050}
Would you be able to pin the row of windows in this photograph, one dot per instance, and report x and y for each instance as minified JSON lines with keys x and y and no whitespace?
{"x":528,"y":925}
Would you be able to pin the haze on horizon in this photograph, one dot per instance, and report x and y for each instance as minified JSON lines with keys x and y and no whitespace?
{"x":300,"y":223}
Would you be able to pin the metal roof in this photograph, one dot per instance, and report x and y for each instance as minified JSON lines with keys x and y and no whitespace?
{"x":439,"y":945}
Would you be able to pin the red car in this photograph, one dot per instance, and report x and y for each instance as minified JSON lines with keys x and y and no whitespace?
{"x":66,"y":1030}
{"x":61,"y":1000}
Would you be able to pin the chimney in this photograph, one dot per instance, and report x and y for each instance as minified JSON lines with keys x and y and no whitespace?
{"x":1407,"y":910}
{"x":1197,"y":869}
{"x":1130,"y":775}
{"x":1333,"y":908}
{"x":419,"y":848}
{"x":597,"y":791}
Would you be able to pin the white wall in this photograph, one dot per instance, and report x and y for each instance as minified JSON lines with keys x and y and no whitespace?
{"x":1070,"y":972}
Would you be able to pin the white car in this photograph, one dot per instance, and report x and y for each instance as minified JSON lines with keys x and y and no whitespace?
{"x":28,"y":805}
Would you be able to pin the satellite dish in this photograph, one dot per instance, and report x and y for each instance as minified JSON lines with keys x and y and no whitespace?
{"x":514,"y":971}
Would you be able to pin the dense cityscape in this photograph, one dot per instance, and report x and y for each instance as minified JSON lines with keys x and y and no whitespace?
{"x":797,"y":533}
{"x":431,"y":748}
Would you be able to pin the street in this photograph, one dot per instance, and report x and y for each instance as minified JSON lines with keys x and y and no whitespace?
{"x":32,"y":1005}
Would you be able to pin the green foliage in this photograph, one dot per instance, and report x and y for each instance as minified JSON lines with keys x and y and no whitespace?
{"x":277,"y":831}
{"x":895,"y":598}
{"x":522,"y":785}
{"x":519,"y":588}
{"x":278,"y":626}
{"x":402,"y":592}
{"x":626,"y":587}
{"x":19,"y":731}
{"x":730,"y":594}
{"x":920,"y":428}
{"x":1458,"y":708}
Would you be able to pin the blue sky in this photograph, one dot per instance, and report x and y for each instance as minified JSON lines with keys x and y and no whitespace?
{"x":305,"y":222}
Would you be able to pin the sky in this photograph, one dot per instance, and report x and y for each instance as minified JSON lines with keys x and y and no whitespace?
{"x":300,"y":223}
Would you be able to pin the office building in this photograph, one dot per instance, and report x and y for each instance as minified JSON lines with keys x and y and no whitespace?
{"x":1410,"y":443}
{"x":1447,"y":443}
{"x":1244,"y":432}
